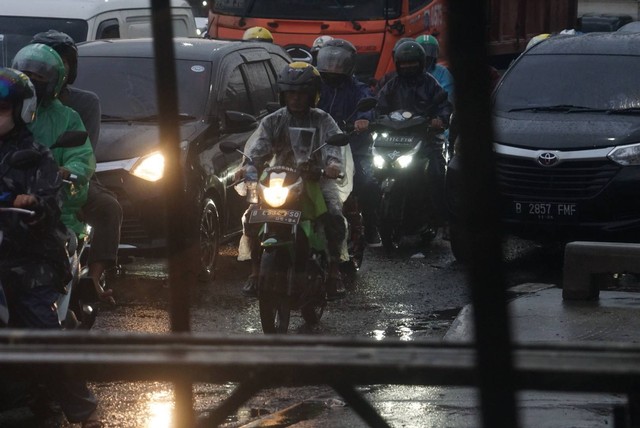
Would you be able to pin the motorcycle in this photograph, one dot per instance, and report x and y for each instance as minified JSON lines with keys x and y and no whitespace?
{"x":287,"y":203}
{"x":76,"y":304}
{"x":403,"y":146}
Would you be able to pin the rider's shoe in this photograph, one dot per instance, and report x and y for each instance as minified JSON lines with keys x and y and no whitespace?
{"x":335,"y":288}
{"x":250,"y":288}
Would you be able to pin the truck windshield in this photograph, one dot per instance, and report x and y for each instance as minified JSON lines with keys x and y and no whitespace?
{"x":542,"y":82}
{"x":16,"y":32}
{"x":327,"y":10}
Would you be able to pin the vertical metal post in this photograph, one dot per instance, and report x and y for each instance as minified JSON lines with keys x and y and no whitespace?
{"x":174,"y":195}
{"x":480,"y":207}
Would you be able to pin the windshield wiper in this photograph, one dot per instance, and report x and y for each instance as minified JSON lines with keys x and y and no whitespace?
{"x":626,"y":110}
{"x":148,"y":118}
{"x":564,"y":108}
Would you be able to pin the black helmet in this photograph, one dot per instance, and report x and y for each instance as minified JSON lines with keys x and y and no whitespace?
{"x":409,"y":52}
{"x":65,"y":46}
{"x":300,"y":76}
{"x":398,"y":43}
{"x":337,"y":56}
{"x":16,"y":88}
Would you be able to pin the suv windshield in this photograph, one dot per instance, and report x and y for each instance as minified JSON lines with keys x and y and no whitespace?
{"x":16,"y":32}
{"x":127,"y":86}
{"x":329,"y":10}
{"x":571,"y":83}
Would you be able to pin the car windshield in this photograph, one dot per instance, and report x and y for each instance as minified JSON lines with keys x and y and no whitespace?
{"x":127,"y":86}
{"x":329,"y":10}
{"x":570,"y":83}
{"x":16,"y":32}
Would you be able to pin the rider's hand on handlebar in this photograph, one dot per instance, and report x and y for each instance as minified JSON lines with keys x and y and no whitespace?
{"x":25,"y":201}
{"x":361,"y":125}
{"x":437,"y":123}
{"x":332,"y":170}
{"x":64,"y":173}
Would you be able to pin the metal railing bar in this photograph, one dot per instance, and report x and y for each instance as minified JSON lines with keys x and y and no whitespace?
{"x":238,"y":397}
{"x":360,"y":405}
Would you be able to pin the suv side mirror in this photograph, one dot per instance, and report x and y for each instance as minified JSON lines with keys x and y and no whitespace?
{"x":236,"y":121}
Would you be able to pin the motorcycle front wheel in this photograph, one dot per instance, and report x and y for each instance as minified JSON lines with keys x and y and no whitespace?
{"x":274,"y":301}
{"x":313,"y":299}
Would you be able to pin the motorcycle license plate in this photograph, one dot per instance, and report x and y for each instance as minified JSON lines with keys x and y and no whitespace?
{"x":270,"y":215}
{"x":545,"y":210}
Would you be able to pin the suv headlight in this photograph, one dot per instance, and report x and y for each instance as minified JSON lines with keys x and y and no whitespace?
{"x":149,"y":167}
{"x":626,"y":155}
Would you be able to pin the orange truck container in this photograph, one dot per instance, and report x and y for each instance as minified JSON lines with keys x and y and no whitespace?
{"x":374,"y":26}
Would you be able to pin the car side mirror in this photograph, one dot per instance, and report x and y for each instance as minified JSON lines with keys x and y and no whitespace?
{"x":236,"y":121}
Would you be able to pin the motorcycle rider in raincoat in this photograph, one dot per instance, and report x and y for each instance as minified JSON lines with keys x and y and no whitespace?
{"x":339,"y":96}
{"x":33,"y":262}
{"x":299,"y":86}
{"x":415,"y":90}
{"x":46,"y":70}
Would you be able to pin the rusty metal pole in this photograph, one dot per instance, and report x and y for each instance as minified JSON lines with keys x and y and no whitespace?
{"x":175,"y":202}
{"x":480,"y":211}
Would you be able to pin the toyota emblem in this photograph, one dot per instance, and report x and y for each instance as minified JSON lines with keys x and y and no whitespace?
{"x":547,"y":159}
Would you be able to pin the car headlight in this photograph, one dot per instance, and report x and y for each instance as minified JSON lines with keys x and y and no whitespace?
{"x":149,"y":167}
{"x":378,"y":161}
{"x":626,"y":155}
{"x":404,"y":161}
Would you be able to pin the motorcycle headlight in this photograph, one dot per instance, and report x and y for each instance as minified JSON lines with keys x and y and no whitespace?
{"x":378,"y":161}
{"x":149,"y":167}
{"x":404,"y":161}
{"x":626,"y":155}
{"x":275,"y":194}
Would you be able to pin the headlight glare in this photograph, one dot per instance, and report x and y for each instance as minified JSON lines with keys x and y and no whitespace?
{"x":378,"y":161}
{"x":275,"y":195}
{"x":404,"y":161}
{"x":149,"y":167}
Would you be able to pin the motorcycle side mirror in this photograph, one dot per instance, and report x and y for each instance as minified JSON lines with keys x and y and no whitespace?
{"x":366,"y":104}
{"x":338,"y":140}
{"x":228,"y":147}
{"x":70,"y":139}
{"x":26,"y":158}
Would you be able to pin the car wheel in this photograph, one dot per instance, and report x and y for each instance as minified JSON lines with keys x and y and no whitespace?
{"x":209,"y":239}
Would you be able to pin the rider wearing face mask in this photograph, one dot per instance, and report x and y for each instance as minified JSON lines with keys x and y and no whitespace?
{"x":46,"y":70}
{"x":415,"y":90}
{"x":340,"y":94}
{"x":299,"y":86}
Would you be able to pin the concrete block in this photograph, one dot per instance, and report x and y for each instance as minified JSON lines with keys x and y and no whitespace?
{"x":587,"y":264}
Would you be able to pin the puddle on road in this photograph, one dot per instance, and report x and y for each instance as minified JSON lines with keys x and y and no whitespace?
{"x":413,"y":328}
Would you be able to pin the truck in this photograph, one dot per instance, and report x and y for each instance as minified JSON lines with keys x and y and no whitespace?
{"x":374,"y":26}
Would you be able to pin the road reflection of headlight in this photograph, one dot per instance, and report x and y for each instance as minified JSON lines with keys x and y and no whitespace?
{"x":149,"y":167}
{"x":378,"y":161}
{"x":404,"y":161}
{"x":626,"y":155}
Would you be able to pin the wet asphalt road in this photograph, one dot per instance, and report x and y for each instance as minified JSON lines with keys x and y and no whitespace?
{"x":401,"y":297}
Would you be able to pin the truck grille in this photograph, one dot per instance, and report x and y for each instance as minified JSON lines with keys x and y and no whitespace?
{"x":520,"y":177}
